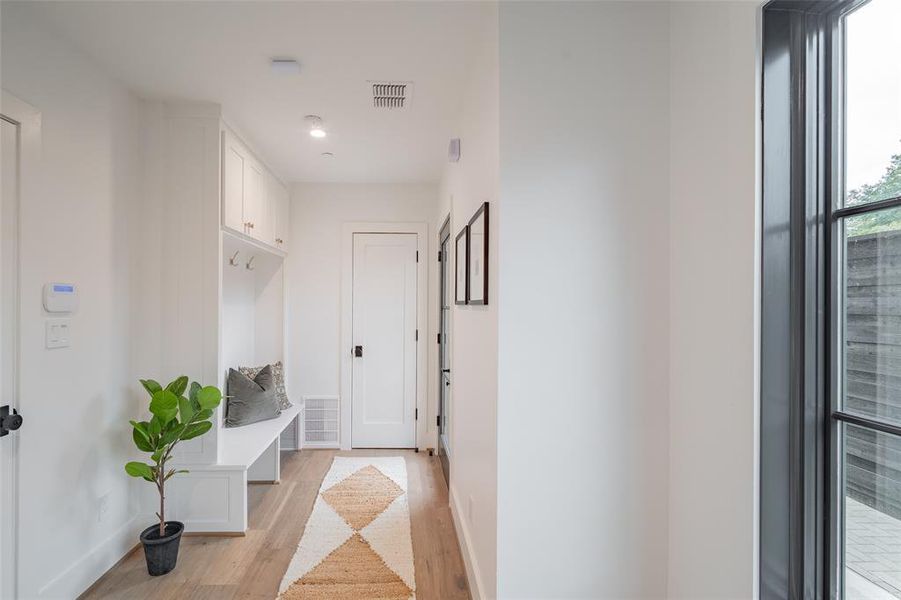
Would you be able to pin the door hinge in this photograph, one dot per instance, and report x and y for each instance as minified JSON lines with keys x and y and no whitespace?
{"x":439,"y":256}
{"x":417,"y":414}
{"x":417,"y":256}
{"x":417,"y":335}
{"x":439,"y":338}
{"x":438,"y":422}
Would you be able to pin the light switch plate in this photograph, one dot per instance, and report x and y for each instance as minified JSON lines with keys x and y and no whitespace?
{"x":58,"y":333}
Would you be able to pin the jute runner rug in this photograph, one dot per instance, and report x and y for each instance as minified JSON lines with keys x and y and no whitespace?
{"x":356,"y":543}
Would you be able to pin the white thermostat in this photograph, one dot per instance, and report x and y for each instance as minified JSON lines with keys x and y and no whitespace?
{"x":60,"y":297}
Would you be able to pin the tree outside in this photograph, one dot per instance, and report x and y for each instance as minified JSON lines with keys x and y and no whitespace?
{"x":889,"y":186}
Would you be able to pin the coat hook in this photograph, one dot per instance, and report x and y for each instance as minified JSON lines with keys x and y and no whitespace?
{"x":249,"y":264}
{"x":233,"y":261}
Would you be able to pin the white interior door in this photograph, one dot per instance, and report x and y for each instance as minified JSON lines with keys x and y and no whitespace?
{"x":384,"y":339}
{"x":9,"y":202}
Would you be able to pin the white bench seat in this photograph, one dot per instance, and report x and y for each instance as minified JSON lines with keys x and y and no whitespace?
{"x":213,"y":498}
{"x":242,"y":446}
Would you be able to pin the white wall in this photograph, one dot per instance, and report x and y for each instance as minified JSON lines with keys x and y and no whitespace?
{"x":583,"y":345}
{"x":314,"y":274}
{"x":473,"y":331}
{"x":76,"y":401}
{"x":713,"y":274}
{"x":238,"y":309}
{"x":252,"y":306}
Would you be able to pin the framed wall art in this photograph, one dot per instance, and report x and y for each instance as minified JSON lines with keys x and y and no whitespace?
{"x":477,"y":257}
{"x":461,"y":251}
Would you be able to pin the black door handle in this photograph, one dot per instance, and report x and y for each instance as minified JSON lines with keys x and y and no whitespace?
{"x":9,"y":422}
{"x":358,"y":351}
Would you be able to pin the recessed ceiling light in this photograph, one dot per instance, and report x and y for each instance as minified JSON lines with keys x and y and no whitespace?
{"x":316,"y":129}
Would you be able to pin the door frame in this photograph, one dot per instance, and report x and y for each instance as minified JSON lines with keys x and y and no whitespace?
{"x":345,"y":360}
{"x":29,"y":120}
{"x":444,"y":233}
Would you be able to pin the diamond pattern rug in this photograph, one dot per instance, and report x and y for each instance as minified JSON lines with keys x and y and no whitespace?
{"x":356,"y":543}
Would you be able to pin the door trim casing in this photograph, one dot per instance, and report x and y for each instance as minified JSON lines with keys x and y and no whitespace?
{"x":444,"y":233}
{"x":28,"y":119}
{"x":345,"y":361}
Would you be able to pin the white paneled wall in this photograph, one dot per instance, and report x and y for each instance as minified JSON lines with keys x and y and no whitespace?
{"x":211,"y":315}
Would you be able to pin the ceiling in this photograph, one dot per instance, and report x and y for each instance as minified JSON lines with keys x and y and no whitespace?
{"x":220,"y":52}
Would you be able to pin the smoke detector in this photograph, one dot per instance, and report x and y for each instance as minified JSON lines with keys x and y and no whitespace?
{"x":285,"y":66}
{"x":392,"y":95}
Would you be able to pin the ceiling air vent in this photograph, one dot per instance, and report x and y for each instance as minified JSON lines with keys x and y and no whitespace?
{"x":390,"y":94}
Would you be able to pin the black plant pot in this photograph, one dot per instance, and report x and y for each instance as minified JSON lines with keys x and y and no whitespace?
{"x":161,"y":552}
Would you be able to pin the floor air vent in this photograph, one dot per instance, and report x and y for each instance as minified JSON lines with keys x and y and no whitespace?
{"x":390,"y":94}
{"x":320,"y":422}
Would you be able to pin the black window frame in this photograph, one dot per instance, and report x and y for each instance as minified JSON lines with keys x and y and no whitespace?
{"x":800,"y":420}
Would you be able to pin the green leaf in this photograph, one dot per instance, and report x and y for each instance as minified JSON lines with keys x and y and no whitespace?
{"x":164,"y":406}
{"x":143,"y":427}
{"x":209,"y":397}
{"x":203,"y":415}
{"x":192,"y":395}
{"x":139,"y":469}
{"x":195,"y":429}
{"x":141,"y":440}
{"x":141,"y":435}
{"x":155,"y":427}
{"x":151,"y":386}
{"x":178,"y":386}
{"x":156,"y":456}
{"x":171,"y":433}
{"x":185,"y":410}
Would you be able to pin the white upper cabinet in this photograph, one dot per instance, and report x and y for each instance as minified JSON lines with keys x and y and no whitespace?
{"x":234,"y":161}
{"x":281,"y":210}
{"x":254,"y":202}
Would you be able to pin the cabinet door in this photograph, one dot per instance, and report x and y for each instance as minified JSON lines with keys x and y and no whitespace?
{"x":269,"y":230}
{"x":234,"y":186}
{"x":282,"y":218}
{"x":255,"y":200}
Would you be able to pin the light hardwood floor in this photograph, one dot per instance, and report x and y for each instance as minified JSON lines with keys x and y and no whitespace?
{"x":221,"y":568}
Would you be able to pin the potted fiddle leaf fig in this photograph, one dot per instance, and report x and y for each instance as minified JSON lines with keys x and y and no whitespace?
{"x":175,"y":418}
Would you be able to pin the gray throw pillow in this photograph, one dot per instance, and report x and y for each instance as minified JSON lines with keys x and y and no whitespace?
{"x":250,"y":400}
{"x":279,"y":372}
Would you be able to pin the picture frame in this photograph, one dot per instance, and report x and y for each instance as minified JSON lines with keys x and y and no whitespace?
{"x":477,"y":258}
{"x":461,"y":262}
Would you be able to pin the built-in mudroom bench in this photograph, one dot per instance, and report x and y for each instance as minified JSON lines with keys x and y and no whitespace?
{"x":256,"y":448}
{"x":221,"y":269}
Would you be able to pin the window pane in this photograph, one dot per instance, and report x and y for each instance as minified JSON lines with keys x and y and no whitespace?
{"x":873,"y":102}
{"x":871,"y":305}
{"x":872,"y":516}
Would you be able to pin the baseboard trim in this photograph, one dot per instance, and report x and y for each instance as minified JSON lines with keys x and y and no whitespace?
{"x":469,"y":560}
{"x":90,"y":589}
{"x":81,"y":575}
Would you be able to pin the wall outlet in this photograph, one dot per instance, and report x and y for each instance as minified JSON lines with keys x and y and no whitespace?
{"x":102,"y":507}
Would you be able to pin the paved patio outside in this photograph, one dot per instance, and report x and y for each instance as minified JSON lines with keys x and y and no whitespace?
{"x":872,"y":552}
